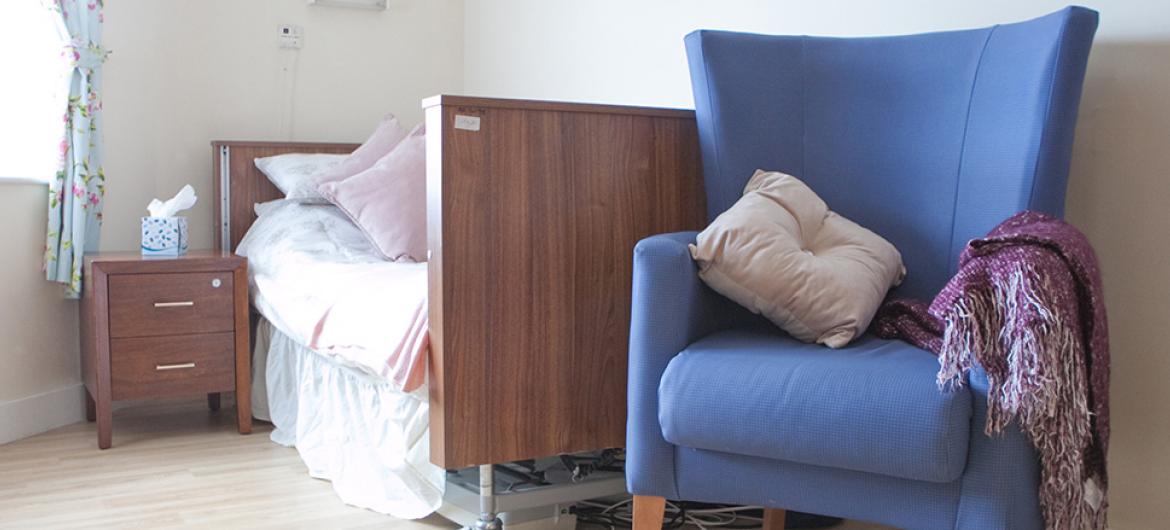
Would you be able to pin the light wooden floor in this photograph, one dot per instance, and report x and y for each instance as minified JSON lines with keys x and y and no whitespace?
{"x":172,"y":465}
{"x":175,"y":465}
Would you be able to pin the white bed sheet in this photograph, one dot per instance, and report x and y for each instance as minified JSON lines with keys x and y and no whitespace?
{"x":314,"y":275}
{"x":371,"y":440}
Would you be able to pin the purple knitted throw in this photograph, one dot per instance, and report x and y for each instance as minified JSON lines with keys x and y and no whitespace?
{"x":1026,"y":305}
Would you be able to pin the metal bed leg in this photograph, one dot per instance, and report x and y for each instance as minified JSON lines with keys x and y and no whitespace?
{"x":488,"y":518}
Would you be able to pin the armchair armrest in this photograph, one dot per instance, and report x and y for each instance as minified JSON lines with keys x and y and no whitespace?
{"x":671,"y":308}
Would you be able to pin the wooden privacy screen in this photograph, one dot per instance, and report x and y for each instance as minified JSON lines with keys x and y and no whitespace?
{"x":239,"y":185}
{"x":534,"y":209}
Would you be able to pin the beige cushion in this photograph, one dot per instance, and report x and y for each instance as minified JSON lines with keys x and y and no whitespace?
{"x":780,"y":252}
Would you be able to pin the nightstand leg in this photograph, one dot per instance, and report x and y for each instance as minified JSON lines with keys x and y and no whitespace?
{"x":243,"y":400}
{"x":105,"y":422}
{"x":243,"y":353}
{"x":90,"y":407}
{"x":213,"y":401}
{"x":244,"y":413}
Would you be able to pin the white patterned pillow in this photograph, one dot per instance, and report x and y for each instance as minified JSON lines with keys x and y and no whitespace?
{"x":293,"y":173}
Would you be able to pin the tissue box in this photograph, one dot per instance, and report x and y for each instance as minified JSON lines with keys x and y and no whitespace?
{"x":164,"y":236}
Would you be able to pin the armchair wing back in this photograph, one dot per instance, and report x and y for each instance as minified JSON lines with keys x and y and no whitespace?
{"x":929,"y":140}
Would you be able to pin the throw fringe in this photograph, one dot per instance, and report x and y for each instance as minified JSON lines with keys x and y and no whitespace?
{"x":1029,"y":345}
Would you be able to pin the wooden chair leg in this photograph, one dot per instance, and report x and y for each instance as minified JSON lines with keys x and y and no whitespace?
{"x":773,"y":519}
{"x":649,"y":512}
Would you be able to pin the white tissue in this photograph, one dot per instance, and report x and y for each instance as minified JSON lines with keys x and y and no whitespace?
{"x":181,"y":201}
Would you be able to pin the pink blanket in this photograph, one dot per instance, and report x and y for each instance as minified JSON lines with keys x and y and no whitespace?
{"x":381,"y":325}
{"x":318,"y":280}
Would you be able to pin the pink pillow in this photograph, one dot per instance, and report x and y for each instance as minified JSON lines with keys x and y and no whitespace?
{"x":388,"y":134}
{"x":388,"y":201}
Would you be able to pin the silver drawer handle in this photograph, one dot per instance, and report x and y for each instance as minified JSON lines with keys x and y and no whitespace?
{"x":180,"y":366}
{"x":174,"y":304}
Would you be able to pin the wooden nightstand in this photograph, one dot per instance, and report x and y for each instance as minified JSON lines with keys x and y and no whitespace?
{"x":154,"y":327}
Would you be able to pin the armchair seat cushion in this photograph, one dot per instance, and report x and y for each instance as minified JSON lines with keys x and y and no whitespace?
{"x":873,"y":406}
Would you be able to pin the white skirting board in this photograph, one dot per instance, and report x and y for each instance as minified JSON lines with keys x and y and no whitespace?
{"x":24,"y":417}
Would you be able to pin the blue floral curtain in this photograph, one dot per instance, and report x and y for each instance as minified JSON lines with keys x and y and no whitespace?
{"x":75,"y":195}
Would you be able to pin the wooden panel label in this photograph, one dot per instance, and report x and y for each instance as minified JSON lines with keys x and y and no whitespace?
{"x":467,"y":123}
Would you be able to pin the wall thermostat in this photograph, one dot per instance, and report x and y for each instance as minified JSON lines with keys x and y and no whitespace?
{"x":291,"y":36}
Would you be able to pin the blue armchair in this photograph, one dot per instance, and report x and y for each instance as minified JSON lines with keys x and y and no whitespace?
{"x":929,"y":140}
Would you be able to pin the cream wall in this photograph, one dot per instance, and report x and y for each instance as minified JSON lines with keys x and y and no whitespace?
{"x":39,"y":351}
{"x":631,"y":52}
{"x":39,"y":357}
{"x":183,"y":73}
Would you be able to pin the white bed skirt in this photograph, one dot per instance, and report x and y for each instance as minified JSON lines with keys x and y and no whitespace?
{"x":355,"y":430}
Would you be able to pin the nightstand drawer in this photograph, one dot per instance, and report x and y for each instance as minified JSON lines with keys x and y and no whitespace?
{"x":146,"y":305}
{"x":172,"y":366}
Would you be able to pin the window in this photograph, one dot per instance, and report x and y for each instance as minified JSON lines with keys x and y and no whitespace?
{"x":33,"y":90}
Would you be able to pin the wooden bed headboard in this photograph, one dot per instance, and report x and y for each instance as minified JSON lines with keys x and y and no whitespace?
{"x":533,"y":211}
{"x":239,"y":185}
